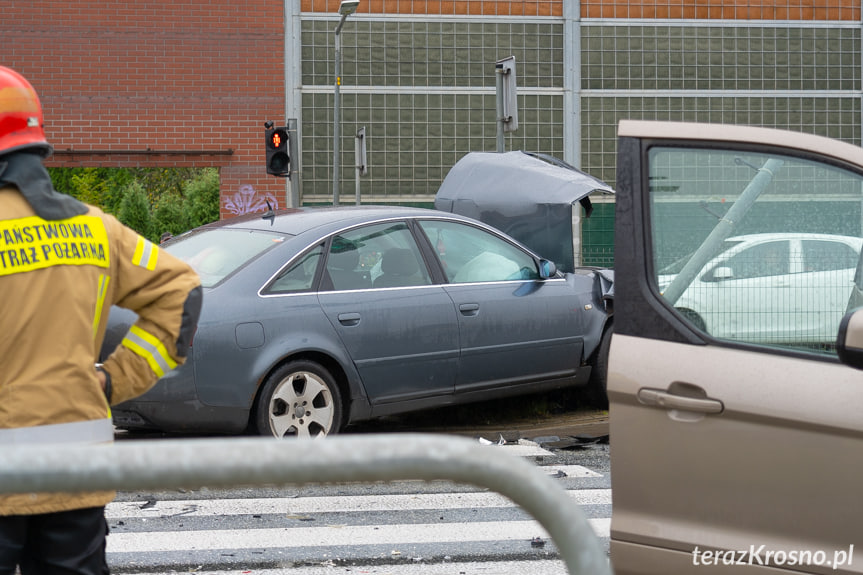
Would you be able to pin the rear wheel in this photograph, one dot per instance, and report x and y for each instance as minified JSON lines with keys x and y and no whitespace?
{"x":300,"y":399}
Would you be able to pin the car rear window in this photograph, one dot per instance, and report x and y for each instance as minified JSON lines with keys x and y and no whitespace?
{"x":215,"y":254}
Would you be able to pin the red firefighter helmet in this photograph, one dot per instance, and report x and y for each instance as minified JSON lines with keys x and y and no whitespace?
{"x":20,"y":115}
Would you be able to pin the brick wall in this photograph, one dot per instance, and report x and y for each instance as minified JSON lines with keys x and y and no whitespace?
{"x":156,"y":83}
{"x":702,"y":9}
{"x":724,"y":9}
{"x":445,"y":7}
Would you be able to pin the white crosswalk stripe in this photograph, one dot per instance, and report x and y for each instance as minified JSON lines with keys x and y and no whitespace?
{"x":536,"y":567}
{"x":328,"y":504}
{"x":440,"y":527}
{"x":334,"y":535}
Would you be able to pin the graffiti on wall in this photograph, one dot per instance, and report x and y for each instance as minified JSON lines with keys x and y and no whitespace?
{"x":247,"y":201}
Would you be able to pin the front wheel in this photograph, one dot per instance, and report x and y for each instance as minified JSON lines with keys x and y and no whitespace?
{"x":300,"y":399}
{"x":599,"y":371}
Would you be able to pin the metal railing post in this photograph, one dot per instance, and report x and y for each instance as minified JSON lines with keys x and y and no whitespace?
{"x":193,"y":463}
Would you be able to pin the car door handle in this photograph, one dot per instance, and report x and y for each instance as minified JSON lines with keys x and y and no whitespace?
{"x":468,"y":308}
{"x":349,"y":318}
{"x":665,"y":400}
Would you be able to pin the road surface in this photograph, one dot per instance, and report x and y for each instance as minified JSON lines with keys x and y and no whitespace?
{"x":399,"y":528}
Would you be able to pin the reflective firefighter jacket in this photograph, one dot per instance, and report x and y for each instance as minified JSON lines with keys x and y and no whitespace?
{"x":58,"y":281}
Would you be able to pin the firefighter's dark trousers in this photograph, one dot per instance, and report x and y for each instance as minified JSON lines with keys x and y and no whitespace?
{"x":62,"y":543}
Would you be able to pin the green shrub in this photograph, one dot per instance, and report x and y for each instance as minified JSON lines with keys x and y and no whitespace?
{"x":202,"y":198}
{"x":151,"y":201}
{"x":135,"y":210}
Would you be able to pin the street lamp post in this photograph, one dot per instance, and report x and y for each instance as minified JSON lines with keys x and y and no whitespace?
{"x":346,"y":8}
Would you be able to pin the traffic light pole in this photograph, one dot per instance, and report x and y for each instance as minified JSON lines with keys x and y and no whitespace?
{"x":346,"y":8}
{"x":501,"y":120}
{"x":296,"y":172}
{"x":336,"y":119}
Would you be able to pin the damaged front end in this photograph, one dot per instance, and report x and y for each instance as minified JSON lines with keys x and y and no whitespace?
{"x":540,"y":201}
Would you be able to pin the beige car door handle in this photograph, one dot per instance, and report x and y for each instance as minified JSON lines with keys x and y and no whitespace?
{"x":665,"y":400}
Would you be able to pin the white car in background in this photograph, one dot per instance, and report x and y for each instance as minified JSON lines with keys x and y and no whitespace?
{"x":785,"y":288}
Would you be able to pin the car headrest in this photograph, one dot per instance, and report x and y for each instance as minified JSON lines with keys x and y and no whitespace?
{"x":344,"y":256}
{"x":399,"y":262}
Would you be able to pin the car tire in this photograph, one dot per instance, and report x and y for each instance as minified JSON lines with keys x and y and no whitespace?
{"x":599,"y":372}
{"x":299,"y":399}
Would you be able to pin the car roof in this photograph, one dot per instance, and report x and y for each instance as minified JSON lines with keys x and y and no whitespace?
{"x":296,"y":221}
{"x":769,"y":236}
{"x":740,"y":134}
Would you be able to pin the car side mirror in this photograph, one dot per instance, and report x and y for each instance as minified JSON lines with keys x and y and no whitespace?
{"x":849,"y":342}
{"x":547,"y":269}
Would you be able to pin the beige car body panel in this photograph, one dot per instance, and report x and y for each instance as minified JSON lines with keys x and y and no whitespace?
{"x":734,"y":449}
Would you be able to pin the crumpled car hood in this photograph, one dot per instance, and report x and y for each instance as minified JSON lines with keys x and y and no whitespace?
{"x":531,"y":197}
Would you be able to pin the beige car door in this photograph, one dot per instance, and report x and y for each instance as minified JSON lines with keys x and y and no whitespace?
{"x":730,"y":455}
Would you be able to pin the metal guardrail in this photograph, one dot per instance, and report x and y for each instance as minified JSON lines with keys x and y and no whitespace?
{"x":194,"y":463}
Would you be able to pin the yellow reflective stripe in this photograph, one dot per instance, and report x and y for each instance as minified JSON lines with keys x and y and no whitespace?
{"x":145,"y":254}
{"x":100,"y":301}
{"x":151,"y":349}
{"x":32,"y":243}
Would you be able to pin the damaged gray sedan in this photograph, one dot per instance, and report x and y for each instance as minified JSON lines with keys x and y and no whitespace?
{"x":317,"y":318}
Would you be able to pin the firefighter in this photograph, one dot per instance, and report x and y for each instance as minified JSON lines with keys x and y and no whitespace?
{"x":63,"y":264}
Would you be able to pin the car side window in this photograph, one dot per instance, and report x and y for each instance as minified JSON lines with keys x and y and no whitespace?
{"x":788,"y":228}
{"x":343,"y":266}
{"x":824,"y":256}
{"x":300,"y":276}
{"x":761,"y":260}
{"x":376,"y":256}
{"x":469,"y":254}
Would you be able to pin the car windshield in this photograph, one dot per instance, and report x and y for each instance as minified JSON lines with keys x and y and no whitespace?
{"x":216,"y":253}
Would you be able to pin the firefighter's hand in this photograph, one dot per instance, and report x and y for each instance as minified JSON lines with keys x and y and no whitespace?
{"x":100,"y":375}
{"x":104,"y":380}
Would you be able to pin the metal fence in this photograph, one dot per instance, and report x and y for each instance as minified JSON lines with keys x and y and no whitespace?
{"x":194,"y":463}
{"x":419,"y":76}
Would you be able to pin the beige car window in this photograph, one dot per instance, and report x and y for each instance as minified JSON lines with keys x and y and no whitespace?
{"x":754,"y":248}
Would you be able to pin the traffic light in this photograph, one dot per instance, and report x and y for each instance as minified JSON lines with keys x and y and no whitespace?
{"x":278,"y":146}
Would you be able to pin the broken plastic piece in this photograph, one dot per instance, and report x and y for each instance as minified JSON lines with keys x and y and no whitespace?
{"x":537,"y":542}
{"x":485,"y":441}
